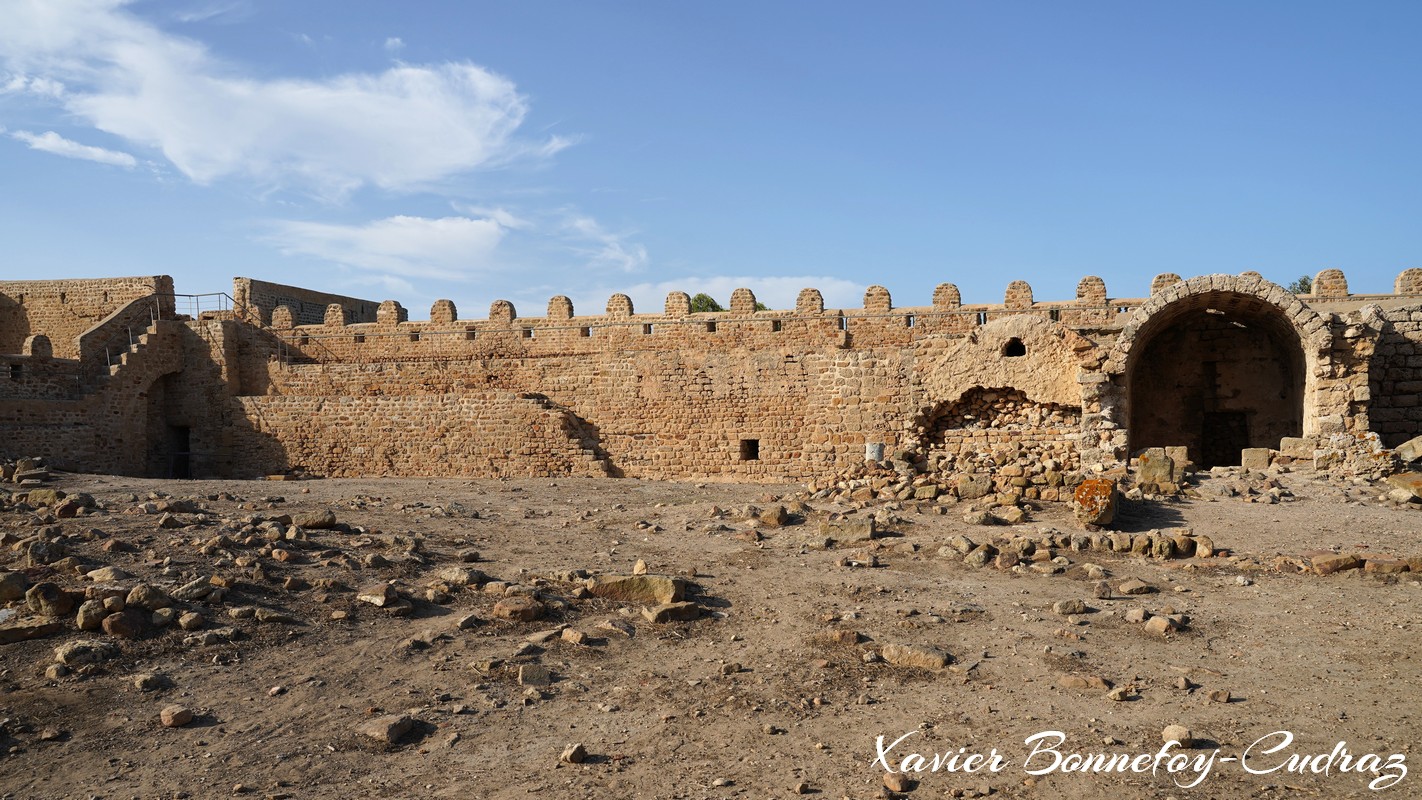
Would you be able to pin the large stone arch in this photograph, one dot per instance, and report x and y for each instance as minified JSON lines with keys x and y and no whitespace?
{"x":1217,"y":363}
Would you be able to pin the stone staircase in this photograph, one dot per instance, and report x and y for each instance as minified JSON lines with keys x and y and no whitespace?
{"x":134,"y":351}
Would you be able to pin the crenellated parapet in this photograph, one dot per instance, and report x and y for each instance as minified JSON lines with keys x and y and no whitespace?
{"x":876,"y":323}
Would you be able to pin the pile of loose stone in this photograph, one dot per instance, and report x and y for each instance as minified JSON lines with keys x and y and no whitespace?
{"x":210,"y":580}
{"x":27,"y":472}
{"x":1010,"y":474}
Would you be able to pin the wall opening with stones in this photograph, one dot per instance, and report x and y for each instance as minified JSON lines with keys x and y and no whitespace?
{"x":1217,"y":380}
{"x":1001,"y":431}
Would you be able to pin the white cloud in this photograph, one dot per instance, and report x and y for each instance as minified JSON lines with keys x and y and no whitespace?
{"x":408,"y":127}
{"x":449,"y":248}
{"x":203,"y":12}
{"x":394,"y":44}
{"x":778,"y":292}
{"x":51,"y":142}
{"x":26,"y":84}
{"x":602,"y":248}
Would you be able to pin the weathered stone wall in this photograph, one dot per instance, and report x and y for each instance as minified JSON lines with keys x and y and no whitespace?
{"x":64,"y":309}
{"x":1396,"y":375}
{"x":261,"y":298}
{"x":488,"y":433}
{"x":744,"y":394}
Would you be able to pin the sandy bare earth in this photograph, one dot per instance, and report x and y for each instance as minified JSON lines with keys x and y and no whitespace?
{"x":753,"y":699}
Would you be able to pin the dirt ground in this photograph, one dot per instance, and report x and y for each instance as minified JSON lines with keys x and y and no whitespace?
{"x":750,"y":700}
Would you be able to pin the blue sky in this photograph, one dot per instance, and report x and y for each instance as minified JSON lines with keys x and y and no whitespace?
{"x":482,"y":150}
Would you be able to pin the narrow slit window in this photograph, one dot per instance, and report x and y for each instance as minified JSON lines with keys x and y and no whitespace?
{"x":16,"y":372}
{"x":844,"y":323}
{"x":750,"y":449}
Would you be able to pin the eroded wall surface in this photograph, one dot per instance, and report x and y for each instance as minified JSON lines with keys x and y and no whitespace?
{"x":1042,"y":387}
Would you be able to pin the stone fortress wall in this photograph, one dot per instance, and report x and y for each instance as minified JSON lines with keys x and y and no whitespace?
{"x":1214,"y":364}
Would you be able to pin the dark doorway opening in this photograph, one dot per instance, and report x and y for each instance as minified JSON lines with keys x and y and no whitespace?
{"x":180,"y":440}
{"x":1222,"y":436}
{"x":1216,"y":374}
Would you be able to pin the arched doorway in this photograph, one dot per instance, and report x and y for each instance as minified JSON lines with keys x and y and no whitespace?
{"x":1217,"y":365}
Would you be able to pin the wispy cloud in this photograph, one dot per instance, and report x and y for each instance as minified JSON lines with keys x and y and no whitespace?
{"x":229,"y":11}
{"x":394,"y":44}
{"x":328,"y":137}
{"x":51,"y":142}
{"x":448,"y":248}
{"x":603,"y":248}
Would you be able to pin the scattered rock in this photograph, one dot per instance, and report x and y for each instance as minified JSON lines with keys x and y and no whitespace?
{"x":387,"y":729}
{"x":175,"y":716}
{"x":672,"y":612}
{"x":534,"y":675}
{"x":12,"y":585}
{"x":574,"y":754}
{"x":49,"y":600}
{"x":910,"y":655}
{"x":1134,"y":586}
{"x":84,"y":651}
{"x":898,"y":782}
{"x":519,"y":608}
{"x":379,"y":595}
{"x":149,"y":598}
{"x":126,"y":624}
{"x":1069,"y":607}
{"x":1178,"y":733}
{"x":91,"y":615}
{"x":638,"y":588}
{"x":1329,"y":563}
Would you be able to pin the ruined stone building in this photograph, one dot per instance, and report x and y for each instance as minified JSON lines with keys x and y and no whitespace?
{"x":124,"y":376}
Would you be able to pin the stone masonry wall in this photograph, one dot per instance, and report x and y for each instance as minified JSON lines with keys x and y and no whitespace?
{"x":63,"y":309}
{"x":1396,"y":376}
{"x":309,"y":307}
{"x":740,"y":394}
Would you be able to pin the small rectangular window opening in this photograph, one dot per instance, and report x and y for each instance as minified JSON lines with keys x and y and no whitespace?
{"x":359,"y":338}
{"x":647,"y":330}
{"x":982,"y":317}
{"x":470,"y":334}
{"x":710,"y":327}
{"x":303,"y":340}
{"x":776,"y":326}
{"x":750,"y":449}
{"x":415,"y":337}
{"x":909,"y":321}
{"x":15,"y":372}
{"x":1055,"y":315}
{"x":585,"y":332}
{"x":528,"y":333}
{"x":844,"y":323}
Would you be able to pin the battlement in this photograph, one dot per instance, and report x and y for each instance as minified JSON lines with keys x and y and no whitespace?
{"x":292,"y":379}
{"x":390,"y":335}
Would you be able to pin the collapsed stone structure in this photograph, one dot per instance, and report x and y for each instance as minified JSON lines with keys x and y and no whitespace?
{"x":124,"y":376}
